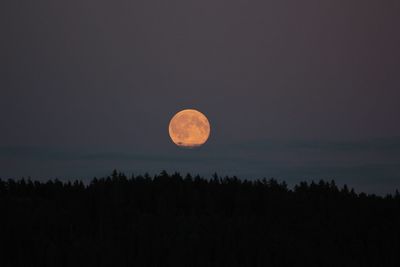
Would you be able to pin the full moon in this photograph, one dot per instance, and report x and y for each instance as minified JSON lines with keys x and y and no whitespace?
{"x":189,"y":128}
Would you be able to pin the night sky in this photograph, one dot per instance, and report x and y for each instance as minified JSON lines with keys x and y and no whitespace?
{"x":296,"y":90}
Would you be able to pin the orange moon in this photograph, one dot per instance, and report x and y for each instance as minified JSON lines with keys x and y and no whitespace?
{"x":189,"y":128}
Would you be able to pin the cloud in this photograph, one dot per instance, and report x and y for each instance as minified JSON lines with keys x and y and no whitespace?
{"x":388,"y":145}
{"x":250,"y":152}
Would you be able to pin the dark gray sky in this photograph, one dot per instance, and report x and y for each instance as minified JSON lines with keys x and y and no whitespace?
{"x":293,"y":89}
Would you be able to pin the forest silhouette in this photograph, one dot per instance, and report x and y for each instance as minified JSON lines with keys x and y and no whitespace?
{"x":174,"y":220}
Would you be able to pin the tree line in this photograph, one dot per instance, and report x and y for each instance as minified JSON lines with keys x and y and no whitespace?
{"x":175,"y":220}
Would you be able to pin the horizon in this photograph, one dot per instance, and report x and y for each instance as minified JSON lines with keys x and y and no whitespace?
{"x":87,"y":181}
{"x":356,"y":169}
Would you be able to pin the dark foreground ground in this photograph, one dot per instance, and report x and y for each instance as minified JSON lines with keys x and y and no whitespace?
{"x":169,"y":220}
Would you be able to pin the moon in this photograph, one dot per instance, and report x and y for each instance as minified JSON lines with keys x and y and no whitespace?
{"x":189,"y":128}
